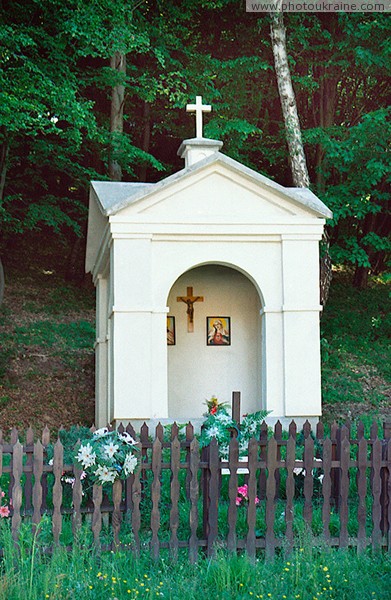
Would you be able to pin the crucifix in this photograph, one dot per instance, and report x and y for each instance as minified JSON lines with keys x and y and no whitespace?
{"x":198,"y":108}
{"x":189,"y":300}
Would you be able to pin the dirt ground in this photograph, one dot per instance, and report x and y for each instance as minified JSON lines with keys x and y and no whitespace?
{"x":42,"y":384}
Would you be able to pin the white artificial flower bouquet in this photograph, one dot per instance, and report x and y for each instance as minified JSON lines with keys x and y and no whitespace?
{"x":107,"y":456}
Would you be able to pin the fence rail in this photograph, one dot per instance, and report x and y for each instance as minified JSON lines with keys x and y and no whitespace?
{"x":334,"y":489}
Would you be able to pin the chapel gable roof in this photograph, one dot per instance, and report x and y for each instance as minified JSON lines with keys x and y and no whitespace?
{"x":113,"y":197}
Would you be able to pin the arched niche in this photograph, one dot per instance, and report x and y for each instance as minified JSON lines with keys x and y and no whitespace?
{"x":196,"y":371}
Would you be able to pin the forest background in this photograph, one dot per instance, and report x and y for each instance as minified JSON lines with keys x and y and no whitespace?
{"x":97,"y":90}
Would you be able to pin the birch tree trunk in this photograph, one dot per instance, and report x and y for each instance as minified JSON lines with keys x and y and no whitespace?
{"x":117,"y":63}
{"x":288,"y":102}
{"x":297,"y":158}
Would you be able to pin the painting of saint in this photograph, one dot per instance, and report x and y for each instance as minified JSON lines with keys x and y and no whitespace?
{"x":218,"y":331}
{"x":170,"y":331}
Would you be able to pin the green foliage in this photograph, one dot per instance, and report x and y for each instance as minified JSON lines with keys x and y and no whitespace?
{"x":356,"y":329}
{"x":357,"y":169}
{"x":56,"y":82}
{"x":221,"y":426}
{"x":309,"y":572}
{"x":62,"y":336}
{"x":69,"y":438}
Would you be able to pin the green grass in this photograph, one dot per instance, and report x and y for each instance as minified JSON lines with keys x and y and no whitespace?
{"x":356,"y":335}
{"x":307,"y":574}
{"x":48,"y":334}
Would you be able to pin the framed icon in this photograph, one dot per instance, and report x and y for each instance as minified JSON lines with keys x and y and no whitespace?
{"x":218,"y":331}
{"x":170,"y":331}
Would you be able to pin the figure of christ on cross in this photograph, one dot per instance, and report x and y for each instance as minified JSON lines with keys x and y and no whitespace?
{"x":189,"y":300}
{"x":198,"y":108}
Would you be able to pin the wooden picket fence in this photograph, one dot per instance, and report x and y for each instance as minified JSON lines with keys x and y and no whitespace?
{"x":180,"y":498}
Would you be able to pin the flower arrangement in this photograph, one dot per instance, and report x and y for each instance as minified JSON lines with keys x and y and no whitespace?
{"x":242,"y":496}
{"x":220,"y":425}
{"x":214,"y":405}
{"x":107,"y":456}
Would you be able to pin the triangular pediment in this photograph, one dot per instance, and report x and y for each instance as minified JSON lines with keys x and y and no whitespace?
{"x":215,"y":191}
{"x":212,"y":196}
{"x":219,"y":189}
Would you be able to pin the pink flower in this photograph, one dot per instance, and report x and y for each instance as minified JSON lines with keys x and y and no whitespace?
{"x":243,"y":490}
{"x":4,"y":511}
{"x":243,"y":495}
{"x":2,"y":494}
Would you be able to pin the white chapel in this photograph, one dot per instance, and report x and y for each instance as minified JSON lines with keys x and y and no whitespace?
{"x":207,"y":282}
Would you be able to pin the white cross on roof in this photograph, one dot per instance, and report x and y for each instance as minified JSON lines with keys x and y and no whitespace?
{"x":198,"y":108}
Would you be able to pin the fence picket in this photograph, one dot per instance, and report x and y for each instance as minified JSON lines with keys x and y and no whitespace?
{"x":174,"y":431}
{"x":362,"y":493}
{"x":385,"y":475}
{"x":77,"y":495}
{"x":388,"y":537}
{"x":343,"y":505}
{"x":28,"y":485}
{"x":194,"y":465}
{"x":376,"y":491}
{"x":292,"y":429}
{"x":214,"y":480}
{"x":307,"y":429}
{"x":252,"y":493}
{"x":189,"y":438}
{"x":263,"y":455}
{"x":136,"y":514}
{"x":17,"y":471}
{"x":335,"y":437}
{"x":326,"y":486}
{"x":308,"y":462}
{"x":174,"y":489}
{"x":278,"y":437}
{"x":270,"y":495}
{"x":232,"y":494}
{"x":117,"y":517}
{"x":97,"y":496}
{"x":1,"y":457}
{"x":58,"y":467}
{"x":37,"y":489}
{"x":290,"y":489}
{"x":155,"y":493}
{"x":13,"y":439}
{"x":319,"y":431}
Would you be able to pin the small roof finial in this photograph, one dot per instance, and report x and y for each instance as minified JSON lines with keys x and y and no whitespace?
{"x":198,"y":108}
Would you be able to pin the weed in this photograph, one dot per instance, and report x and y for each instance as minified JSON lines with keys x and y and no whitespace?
{"x":307,"y":573}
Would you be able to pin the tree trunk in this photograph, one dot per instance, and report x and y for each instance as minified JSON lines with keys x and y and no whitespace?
{"x":327,"y":102}
{"x":117,"y":63}
{"x":288,"y":102}
{"x":297,"y":157}
{"x":3,"y":161}
{"x":146,"y":138}
{"x":1,"y":282}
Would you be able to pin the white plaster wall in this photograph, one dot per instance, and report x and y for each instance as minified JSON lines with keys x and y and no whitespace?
{"x":197,"y":371}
